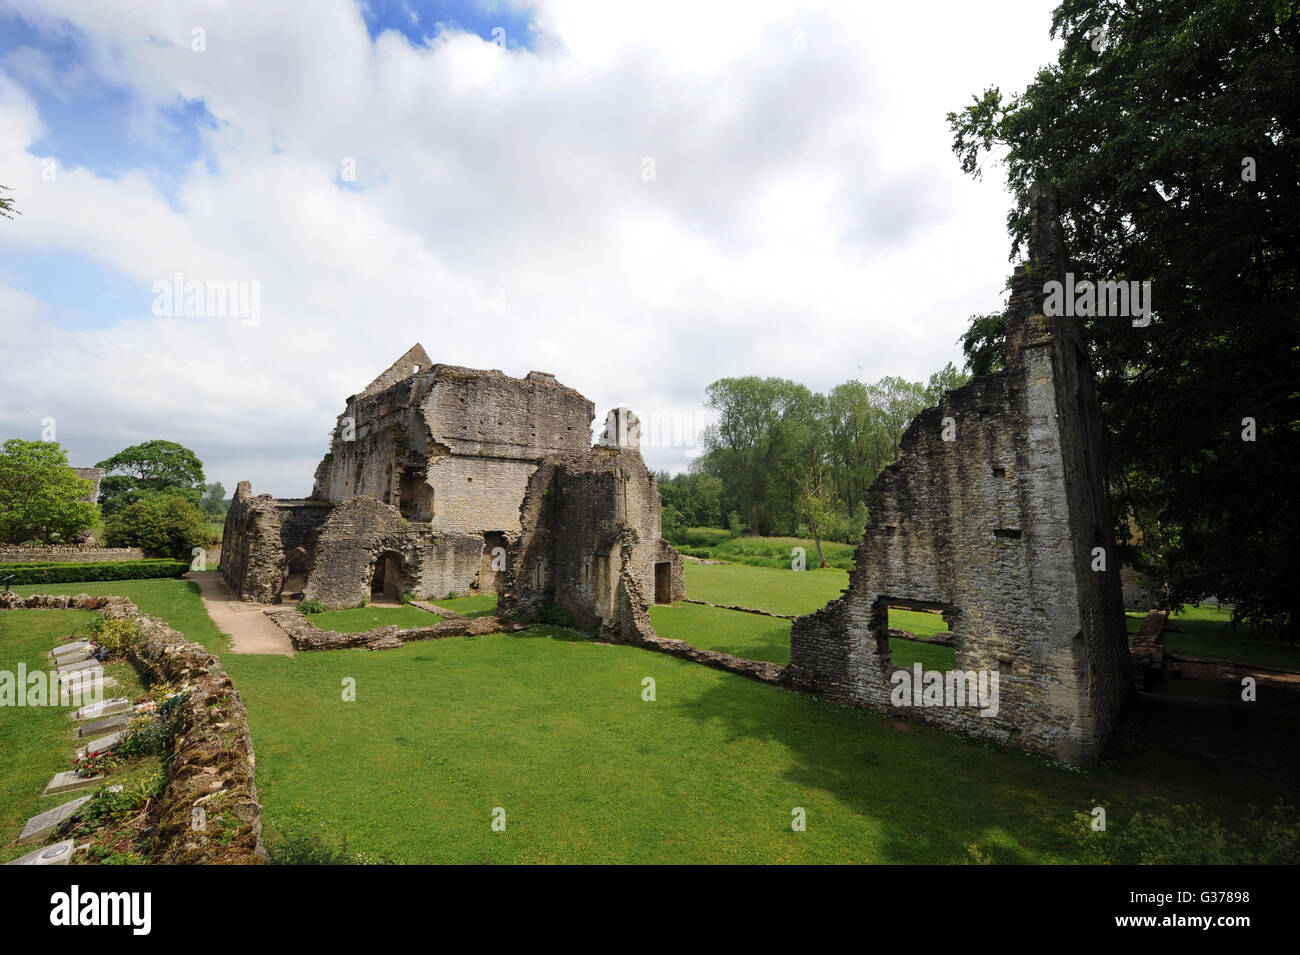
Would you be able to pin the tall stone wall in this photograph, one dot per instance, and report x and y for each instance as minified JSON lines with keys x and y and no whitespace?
{"x":991,"y":516}
{"x":590,"y":527}
{"x":252,"y":553}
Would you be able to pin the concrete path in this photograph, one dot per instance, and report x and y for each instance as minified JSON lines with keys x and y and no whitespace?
{"x":250,"y":629}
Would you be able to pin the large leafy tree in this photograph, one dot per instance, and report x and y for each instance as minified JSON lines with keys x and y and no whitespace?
{"x":1170,"y":128}
{"x":165,"y":525}
{"x":40,"y":495}
{"x":154,"y":467}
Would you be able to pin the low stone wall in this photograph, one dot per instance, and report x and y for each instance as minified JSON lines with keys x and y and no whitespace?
{"x":212,"y":763}
{"x":67,"y":554}
{"x":1147,"y":653}
{"x":307,"y":636}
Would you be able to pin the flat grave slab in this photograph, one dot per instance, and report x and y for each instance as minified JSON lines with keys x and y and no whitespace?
{"x":42,"y":824}
{"x":106,"y":725}
{"x":78,"y":646}
{"x":100,"y":745}
{"x":72,"y":656}
{"x":95,"y":711}
{"x":69,"y":782}
{"x":88,"y":664}
{"x":58,"y":854}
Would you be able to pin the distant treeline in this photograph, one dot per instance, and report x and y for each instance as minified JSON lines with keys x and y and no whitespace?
{"x":785,"y":460}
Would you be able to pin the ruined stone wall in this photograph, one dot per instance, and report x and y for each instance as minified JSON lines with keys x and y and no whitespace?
{"x":357,"y":535}
{"x":252,"y":552}
{"x":996,"y":528}
{"x":590,"y":530}
{"x":300,"y":523}
{"x":472,"y":437}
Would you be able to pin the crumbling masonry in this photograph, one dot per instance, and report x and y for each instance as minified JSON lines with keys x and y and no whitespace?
{"x":993,"y":517}
{"x":436,"y":483}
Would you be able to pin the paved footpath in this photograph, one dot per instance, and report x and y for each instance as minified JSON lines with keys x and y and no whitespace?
{"x":250,"y":629}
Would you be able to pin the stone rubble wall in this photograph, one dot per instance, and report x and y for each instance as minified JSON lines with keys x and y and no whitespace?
{"x":212,"y":765}
{"x":308,"y":637}
{"x":252,"y":550}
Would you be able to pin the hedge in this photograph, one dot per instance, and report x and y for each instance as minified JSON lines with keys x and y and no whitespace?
{"x":63,"y":573}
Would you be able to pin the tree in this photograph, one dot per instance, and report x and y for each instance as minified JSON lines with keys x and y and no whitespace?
{"x":745,"y":444}
{"x":214,"y":500}
{"x":947,"y":378}
{"x":154,"y":467}
{"x":7,"y":209}
{"x":39,"y":494}
{"x":164,"y":524}
{"x":1170,"y":128}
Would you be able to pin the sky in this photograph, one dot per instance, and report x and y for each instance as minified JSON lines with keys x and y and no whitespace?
{"x":236,"y":214}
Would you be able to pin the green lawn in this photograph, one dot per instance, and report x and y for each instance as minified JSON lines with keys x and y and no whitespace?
{"x":1204,"y":631}
{"x":367,"y":618}
{"x":552,"y":727}
{"x":756,"y":637}
{"x":764,"y":588}
{"x":480,"y":605}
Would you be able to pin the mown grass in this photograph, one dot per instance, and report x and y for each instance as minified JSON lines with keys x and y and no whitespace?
{"x":756,"y":637}
{"x":552,"y":727}
{"x":359,"y":619}
{"x":1205,"y":631}
{"x":480,"y":605}
{"x":776,"y":552}
{"x":764,"y":588}
{"x":37,"y":742}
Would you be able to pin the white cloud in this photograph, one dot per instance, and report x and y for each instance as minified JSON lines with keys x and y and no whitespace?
{"x":807,"y":218}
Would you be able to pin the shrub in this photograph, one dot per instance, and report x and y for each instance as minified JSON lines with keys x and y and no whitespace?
{"x":117,"y":635}
{"x":310,"y":606}
{"x":166,"y":524}
{"x":49,"y":572}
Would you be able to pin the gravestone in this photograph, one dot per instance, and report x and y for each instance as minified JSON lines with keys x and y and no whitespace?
{"x":106,"y":725}
{"x":95,"y":711}
{"x":66,"y":648}
{"x":72,"y":656}
{"x":58,"y":854}
{"x":89,"y":663}
{"x":42,"y":824}
{"x":69,"y":782}
{"x":101,"y":745}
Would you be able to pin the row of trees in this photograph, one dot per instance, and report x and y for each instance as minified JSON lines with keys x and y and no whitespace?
{"x":784,"y":459}
{"x":153,"y":496}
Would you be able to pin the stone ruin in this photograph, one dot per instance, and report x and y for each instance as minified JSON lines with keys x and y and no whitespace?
{"x":992,"y":517}
{"x":438,"y":481}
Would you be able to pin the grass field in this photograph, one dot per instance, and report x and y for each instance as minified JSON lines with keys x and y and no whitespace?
{"x":776,"y":552}
{"x":764,"y":588}
{"x":552,"y":728}
{"x":367,"y":618}
{"x":756,"y":637}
